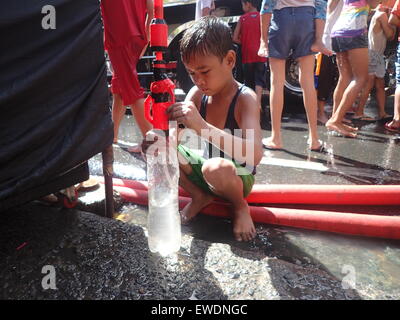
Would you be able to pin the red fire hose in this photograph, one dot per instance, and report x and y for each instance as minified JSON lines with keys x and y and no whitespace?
{"x":336,"y":222}
{"x":306,"y":194}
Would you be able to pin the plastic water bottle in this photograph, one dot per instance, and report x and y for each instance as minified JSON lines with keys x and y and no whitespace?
{"x":163,"y":222}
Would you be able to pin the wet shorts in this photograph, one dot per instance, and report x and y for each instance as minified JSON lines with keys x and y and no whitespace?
{"x":342,"y":44}
{"x":125,"y":80}
{"x":291,"y":32}
{"x":255,"y":74}
{"x":196,"y":162}
{"x":376,"y":65}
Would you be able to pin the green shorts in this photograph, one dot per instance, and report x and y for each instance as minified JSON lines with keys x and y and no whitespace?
{"x":196,"y":162}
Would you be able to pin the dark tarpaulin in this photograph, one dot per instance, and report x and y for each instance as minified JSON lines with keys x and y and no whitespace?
{"x":54,"y":112}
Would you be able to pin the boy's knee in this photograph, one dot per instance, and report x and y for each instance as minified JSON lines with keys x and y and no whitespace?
{"x":218,"y":169}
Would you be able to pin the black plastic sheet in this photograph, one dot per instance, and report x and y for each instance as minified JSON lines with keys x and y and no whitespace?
{"x":54,"y":110}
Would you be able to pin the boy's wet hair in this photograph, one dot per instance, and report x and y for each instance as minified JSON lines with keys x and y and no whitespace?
{"x":255,"y":3}
{"x":207,"y":36}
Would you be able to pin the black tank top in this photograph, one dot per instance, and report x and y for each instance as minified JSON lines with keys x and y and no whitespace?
{"x":230,"y":123}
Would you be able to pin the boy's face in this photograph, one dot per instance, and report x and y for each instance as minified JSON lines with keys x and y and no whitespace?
{"x":209,"y":73}
{"x":245,"y":6}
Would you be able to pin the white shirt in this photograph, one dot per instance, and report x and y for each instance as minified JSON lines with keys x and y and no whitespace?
{"x":202,"y":4}
{"x":329,"y":23}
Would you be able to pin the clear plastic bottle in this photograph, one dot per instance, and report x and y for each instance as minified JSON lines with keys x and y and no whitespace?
{"x":163,"y":222}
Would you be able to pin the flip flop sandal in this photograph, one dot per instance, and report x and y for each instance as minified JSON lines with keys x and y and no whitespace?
{"x":391,"y":128}
{"x":363,"y":118}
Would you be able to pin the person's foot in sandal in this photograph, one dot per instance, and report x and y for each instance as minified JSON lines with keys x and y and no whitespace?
{"x":363,"y":117}
{"x":385,"y":116}
{"x":393,"y":126}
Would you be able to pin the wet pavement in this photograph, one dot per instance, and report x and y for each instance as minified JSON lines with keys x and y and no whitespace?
{"x":98,"y":258}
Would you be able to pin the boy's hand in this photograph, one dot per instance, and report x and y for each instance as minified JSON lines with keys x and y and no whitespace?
{"x":186,"y":113}
{"x":153,"y":142}
{"x":263,"y":50}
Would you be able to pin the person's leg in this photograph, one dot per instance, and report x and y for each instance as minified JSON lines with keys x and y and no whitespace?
{"x":345,"y":77}
{"x":395,"y":123}
{"x":118,"y":111}
{"x":277,"y":67}
{"x":138,"y":113}
{"x":259,"y":90}
{"x":322,"y":118}
{"x":357,"y":60}
{"x":364,"y":96}
{"x":306,"y":77}
{"x":381,"y":97}
{"x":221,"y":175}
{"x":200,"y":198}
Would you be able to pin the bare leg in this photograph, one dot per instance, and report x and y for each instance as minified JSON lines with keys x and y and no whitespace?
{"x":395,"y":123}
{"x":138,"y":112}
{"x":306,"y":65}
{"x":144,"y":126}
{"x":381,"y":97}
{"x":276,"y":102}
{"x":345,"y":77}
{"x":364,"y":96}
{"x":355,"y":60}
{"x":322,"y":118}
{"x":118,"y":111}
{"x":259,"y":91}
{"x":221,"y":175}
{"x":200,"y":198}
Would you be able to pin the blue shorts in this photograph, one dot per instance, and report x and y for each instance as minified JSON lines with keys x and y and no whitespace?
{"x":292,"y":32}
{"x":255,"y":74}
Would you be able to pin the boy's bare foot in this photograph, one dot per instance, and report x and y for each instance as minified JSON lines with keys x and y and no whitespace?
{"x":193,"y":208}
{"x":340,"y":128}
{"x":243,"y":226}
{"x":270,"y":144}
{"x":319,"y":47}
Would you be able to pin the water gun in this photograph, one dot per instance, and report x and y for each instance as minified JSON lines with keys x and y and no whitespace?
{"x":162,"y":89}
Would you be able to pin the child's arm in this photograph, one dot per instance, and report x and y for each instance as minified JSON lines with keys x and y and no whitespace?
{"x":187,"y":113}
{"x":388,"y":30}
{"x":267,"y":7}
{"x":237,"y":32}
{"x":150,"y":14}
{"x":332,"y":4}
{"x":394,"y":18}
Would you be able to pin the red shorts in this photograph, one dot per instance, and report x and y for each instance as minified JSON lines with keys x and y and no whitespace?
{"x":125,"y":80}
